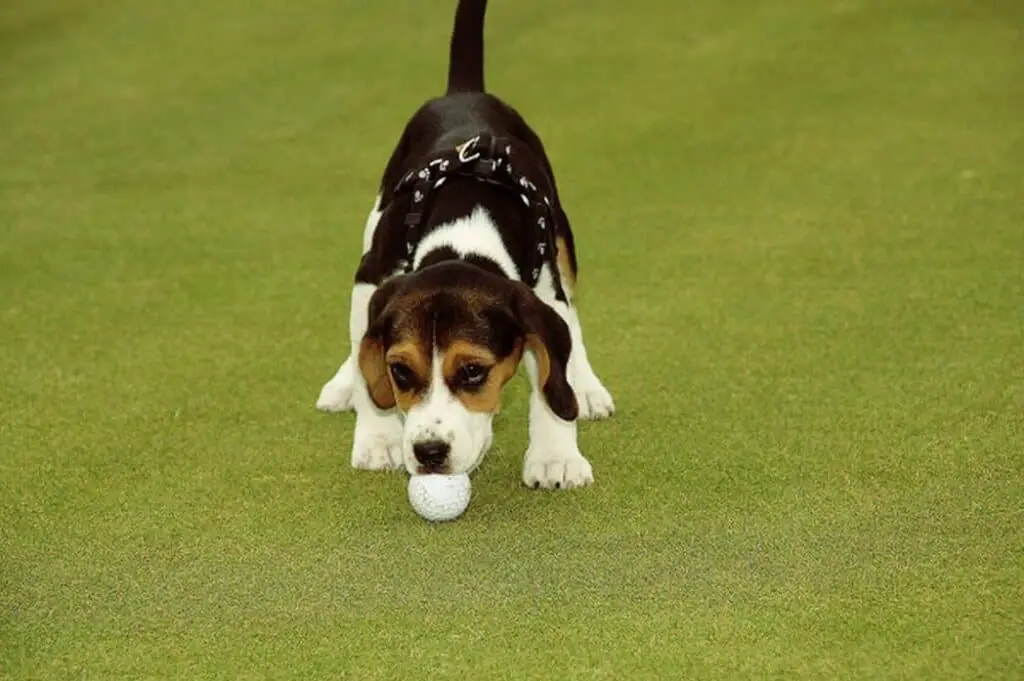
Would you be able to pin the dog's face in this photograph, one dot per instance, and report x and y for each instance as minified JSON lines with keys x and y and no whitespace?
{"x":440,"y":346}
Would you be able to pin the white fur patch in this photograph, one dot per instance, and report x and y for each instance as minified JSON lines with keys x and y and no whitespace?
{"x":358,"y":315}
{"x":371,"y":224}
{"x":441,"y":417}
{"x":475,"y":234}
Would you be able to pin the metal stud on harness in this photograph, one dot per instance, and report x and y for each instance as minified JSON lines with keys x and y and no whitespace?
{"x":488,"y":159}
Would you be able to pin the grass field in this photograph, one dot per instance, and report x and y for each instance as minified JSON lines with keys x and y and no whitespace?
{"x":801,"y":232}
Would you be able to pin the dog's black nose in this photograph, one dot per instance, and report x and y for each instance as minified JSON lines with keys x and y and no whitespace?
{"x":431,"y":453}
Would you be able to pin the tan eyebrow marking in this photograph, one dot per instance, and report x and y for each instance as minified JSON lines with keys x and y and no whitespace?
{"x":416,"y":358}
{"x":488,"y":397}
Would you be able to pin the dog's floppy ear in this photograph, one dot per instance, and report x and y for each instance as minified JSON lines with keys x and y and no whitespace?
{"x":372,"y":347}
{"x":547,"y":335}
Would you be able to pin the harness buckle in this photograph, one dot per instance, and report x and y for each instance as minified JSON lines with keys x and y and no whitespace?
{"x":465,"y":146}
{"x":413,"y":219}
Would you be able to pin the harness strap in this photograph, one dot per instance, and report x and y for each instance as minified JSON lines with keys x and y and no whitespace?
{"x":486,"y":158}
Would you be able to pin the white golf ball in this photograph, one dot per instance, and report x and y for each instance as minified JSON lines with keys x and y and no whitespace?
{"x":439,"y":497}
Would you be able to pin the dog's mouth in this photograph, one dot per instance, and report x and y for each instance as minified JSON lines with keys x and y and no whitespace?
{"x":446,"y":469}
{"x":441,"y":469}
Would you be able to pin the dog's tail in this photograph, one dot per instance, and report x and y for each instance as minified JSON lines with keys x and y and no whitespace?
{"x":466,"y":53}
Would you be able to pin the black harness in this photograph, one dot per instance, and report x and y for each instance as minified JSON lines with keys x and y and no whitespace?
{"x":488,"y":159}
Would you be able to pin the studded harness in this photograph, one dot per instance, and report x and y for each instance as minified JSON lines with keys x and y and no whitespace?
{"x":488,"y":159}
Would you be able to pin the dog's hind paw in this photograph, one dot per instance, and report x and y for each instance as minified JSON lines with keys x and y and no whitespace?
{"x":336,"y":395}
{"x":595,"y":401}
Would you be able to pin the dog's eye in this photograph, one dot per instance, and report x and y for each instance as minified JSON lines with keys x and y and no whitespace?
{"x":403,"y":375}
{"x":471,"y":375}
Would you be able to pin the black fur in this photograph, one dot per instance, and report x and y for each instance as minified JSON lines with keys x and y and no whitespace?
{"x":463,"y":112}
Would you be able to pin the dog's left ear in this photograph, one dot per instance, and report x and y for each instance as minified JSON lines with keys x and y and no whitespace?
{"x":372,"y":347}
{"x":547,"y":335}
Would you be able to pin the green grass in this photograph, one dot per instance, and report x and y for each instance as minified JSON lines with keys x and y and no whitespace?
{"x":801,"y":227}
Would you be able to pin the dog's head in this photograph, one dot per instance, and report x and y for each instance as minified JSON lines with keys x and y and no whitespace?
{"x":440,"y":345}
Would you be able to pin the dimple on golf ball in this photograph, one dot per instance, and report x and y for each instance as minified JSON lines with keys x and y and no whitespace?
{"x":439,"y":497}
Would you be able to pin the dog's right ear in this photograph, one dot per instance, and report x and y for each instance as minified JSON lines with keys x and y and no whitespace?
{"x":373,"y":345}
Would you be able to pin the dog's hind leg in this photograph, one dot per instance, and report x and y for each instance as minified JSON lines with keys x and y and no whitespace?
{"x":594,"y":399}
{"x":336,"y":394}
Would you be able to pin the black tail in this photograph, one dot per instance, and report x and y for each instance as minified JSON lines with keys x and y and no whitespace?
{"x":466,"y":54}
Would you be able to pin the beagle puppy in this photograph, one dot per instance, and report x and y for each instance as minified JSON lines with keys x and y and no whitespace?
{"x":468,"y":269}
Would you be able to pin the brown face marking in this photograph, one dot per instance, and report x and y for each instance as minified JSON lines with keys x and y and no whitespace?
{"x":480,"y":324}
{"x":565,"y":263}
{"x":462,"y":361}
{"x":408,"y":366}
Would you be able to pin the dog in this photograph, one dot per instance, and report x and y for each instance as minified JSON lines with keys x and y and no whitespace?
{"x":468,"y":270}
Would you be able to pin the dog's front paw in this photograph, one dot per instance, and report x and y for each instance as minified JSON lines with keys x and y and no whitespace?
{"x":336,"y":395}
{"x":595,"y":401}
{"x":547,"y":469}
{"x":377,"y":449}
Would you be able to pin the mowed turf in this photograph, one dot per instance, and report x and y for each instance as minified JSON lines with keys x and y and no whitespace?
{"x":801,"y":234}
